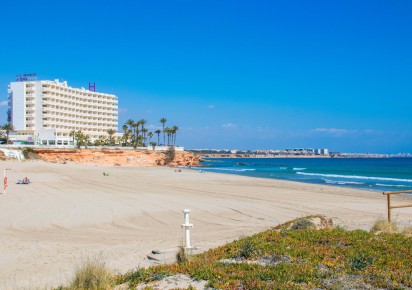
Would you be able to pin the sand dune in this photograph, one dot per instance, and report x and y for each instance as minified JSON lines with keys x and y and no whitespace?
{"x":72,"y":211}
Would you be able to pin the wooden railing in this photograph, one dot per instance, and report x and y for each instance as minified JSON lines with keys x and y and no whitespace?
{"x":388,"y":194}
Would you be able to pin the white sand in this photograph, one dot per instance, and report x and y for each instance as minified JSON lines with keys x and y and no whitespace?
{"x":69,"y":212}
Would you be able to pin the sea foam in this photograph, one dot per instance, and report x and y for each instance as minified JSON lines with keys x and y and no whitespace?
{"x":340,"y":182}
{"x":391,"y":185}
{"x":229,"y":169}
{"x":355,"y":177}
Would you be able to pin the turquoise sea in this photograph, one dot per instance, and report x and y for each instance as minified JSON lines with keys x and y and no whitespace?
{"x":378,"y":174}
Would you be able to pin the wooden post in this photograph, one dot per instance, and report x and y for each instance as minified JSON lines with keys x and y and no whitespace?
{"x":388,"y":194}
{"x":389,"y":207}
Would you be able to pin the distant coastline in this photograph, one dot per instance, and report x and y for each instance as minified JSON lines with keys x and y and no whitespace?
{"x":259,"y":156}
{"x":334,"y":155}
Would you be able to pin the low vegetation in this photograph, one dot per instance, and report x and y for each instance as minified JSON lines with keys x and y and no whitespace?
{"x":407,"y":230}
{"x":382,"y":225}
{"x":29,"y":153}
{"x":92,"y":274}
{"x":182,"y":255}
{"x":297,"y":255}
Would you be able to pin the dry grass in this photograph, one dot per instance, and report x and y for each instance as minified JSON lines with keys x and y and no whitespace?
{"x":182,"y":255}
{"x":407,"y":230}
{"x":93,"y":274}
{"x":382,"y":225}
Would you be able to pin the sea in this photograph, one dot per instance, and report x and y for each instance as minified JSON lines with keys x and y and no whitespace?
{"x":376,"y":174}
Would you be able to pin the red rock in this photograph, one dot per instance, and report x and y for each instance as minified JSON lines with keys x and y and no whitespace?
{"x":120,"y":157}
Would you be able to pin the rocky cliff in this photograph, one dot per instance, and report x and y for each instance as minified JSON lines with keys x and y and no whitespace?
{"x":119,"y":157}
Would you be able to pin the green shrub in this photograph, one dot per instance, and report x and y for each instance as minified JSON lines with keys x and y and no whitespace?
{"x":28,"y":153}
{"x":302,"y":224}
{"x":360,"y":261}
{"x":248,"y":250}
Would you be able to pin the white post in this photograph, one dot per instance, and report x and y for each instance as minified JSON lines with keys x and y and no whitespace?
{"x":187,"y":225}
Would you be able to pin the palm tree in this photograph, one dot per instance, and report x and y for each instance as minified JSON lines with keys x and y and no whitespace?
{"x":86,"y":140}
{"x":174,"y":129}
{"x":167,"y":130}
{"x":111,"y":132}
{"x":158,"y":135}
{"x":171,"y":132}
{"x":129,"y":122}
{"x":102,"y":140}
{"x":163,"y":121}
{"x":136,"y":133}
{"x":143,"y":130}
{"x":150,"y":134}
{"x":72,"y":134}
{"x":7,"y":127}
{"x":153,"y":145}
{"x":79,"y":136}
{"x":131,"y":125}
{"x":126,"y":133}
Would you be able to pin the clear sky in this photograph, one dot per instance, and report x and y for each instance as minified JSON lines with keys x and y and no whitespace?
{"x":230,"y":74}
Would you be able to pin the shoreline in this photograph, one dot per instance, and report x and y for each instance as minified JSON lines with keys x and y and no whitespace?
{"x":71,"y":211}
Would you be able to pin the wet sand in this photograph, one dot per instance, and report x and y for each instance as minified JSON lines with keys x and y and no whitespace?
{"x":72,"y":211}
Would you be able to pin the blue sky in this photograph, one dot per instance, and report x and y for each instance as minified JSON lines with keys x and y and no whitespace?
{"x":230,"y":74}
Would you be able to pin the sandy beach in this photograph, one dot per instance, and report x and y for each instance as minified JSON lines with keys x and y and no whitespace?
{"x":71,"y":211}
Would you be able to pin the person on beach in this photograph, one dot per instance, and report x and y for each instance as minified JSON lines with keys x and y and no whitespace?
{"x":24,"y":181}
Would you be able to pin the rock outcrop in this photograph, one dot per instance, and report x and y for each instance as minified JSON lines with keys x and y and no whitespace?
{"x":119,"y":157}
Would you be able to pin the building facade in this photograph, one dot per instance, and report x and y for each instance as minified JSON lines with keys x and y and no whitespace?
{"x":46,"y":112}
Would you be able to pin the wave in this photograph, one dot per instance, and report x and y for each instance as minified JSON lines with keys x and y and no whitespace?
{"x":228,"y":169}
{"x":283,"y":168}
{"x":355,"y":177}
{"x":212,"y":160}
{"x":340,"y":182}
{"x":298,"y":168}
{"x":391,"y":185}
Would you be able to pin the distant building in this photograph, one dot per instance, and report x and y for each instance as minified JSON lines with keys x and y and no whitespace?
{"x":321,"y":151}
{"x":324,"y":151}
{"x":45,"y":112}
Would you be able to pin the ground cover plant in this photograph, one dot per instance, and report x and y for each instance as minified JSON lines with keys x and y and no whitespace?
{"x":297,"y":255}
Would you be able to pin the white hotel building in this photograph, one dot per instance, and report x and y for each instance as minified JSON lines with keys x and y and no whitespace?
{"x":45,"y":112}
